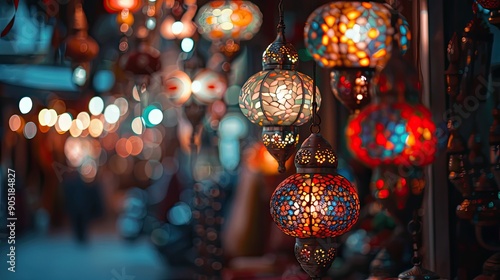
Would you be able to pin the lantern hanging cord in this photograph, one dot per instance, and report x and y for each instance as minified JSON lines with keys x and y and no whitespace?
{"x":316,"y":120}
{"x":281,"y":23}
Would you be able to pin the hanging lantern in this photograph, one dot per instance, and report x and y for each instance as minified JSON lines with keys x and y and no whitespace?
{"x":81,"y":49}
{"x":397,"y":129}
{"x":489,"y":4}
{"x":315,"y":205}
{"x":208,"y":86}
{"x":175,"y":27}
{"x":402,"y":32}
{"x":226,"y":23}
{"x":115,"y":6}
{"x":279,"y":98}
{"x":393,"y":134}
{"x":224,"y":20}
{"x":349,"y":34}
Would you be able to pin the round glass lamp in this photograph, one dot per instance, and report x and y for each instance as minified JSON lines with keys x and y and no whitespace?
{"x":226,"y":23}
{"x":396,"y":133}
{"x":349,"y":34}
{"x":279,"y":98}
{"x":315,"y":205}
{"x":116,"y":6}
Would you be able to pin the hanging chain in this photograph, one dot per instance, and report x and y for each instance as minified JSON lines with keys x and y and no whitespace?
{"x":281,"y":12}
{"x":316,"y":120}
{"x":415,"y":227}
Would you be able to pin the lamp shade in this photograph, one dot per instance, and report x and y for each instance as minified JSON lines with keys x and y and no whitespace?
{"x":316,"y":202}
{"x":278,"y":97}
{"x":349,"y":34}
{"x":396,"y":133}
{"x":224,"y":20}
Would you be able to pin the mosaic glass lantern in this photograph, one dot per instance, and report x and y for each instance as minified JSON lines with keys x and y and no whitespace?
{"x":226,"y":23}
{"x":279,"y":98}
{"x":208,"y":86}
{"x":396,"y":133}
{"x":349,"y":34}
{"x":489,"y":4}
{"x":315,"y":205}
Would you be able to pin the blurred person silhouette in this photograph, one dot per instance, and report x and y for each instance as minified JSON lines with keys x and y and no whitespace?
{"x":83,"y":203}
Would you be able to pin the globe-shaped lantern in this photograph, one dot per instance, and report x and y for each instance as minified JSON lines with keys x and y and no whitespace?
{"x":279,"y":98}
{"x":349,"y":34}
{"x":396,"y":128}
{"x":397,"y":133}
{"x":315,"y":205}
{"x":229,"y":22}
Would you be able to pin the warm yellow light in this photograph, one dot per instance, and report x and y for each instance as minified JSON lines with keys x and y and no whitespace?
{"x":95,"y":128}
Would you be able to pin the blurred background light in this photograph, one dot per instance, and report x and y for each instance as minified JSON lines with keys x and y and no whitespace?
{"x":64,"y":122}
{"x":25,"y":105}
{"x":96,"y":105}
{"x":103,"y":80}
{"x":112,"y":114}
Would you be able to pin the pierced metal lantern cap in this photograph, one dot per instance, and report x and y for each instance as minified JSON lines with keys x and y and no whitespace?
{"x":280,"y":54}
{"x":316,"y":155}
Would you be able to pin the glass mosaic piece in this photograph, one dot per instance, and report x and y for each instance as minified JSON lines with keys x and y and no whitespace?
{"x":278,"y":97}
{"x":315,"y":205}
{"x":349,"y":34}
{"x":224,"y":20}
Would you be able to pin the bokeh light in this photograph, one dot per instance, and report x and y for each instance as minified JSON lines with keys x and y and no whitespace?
{"x":180,"y":214}
{"x":65,"y":121}
{"x":30,"y":130}
{"x":112,"y":114}
{"x":137,"y":125}
{"x":96,"y":105}
{"x":25,"y":105}
{"x":96,"y":127}
{"x":15,"y":122}
{"x":83,"y":120}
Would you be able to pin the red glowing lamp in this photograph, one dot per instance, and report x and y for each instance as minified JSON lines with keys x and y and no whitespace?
{"x":116,"y":6}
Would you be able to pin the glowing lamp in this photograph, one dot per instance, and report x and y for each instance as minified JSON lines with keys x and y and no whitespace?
{"x":279,"y":98}
{"x":396,"y":133}
{"x":208,"y":86}
{"x":81,"y":49}
{"x":224,"y":20}
{"x":352,"y":88}
{"x":349,"y":34}
{"x":115,"y":6}
{"x":179,"y":29}
{"x":315,"y":205}
{"x":177,"y":87}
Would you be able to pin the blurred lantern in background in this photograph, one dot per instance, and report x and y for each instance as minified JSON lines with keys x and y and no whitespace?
{"x":178,"y":23}
{"x":226,"y":23}
{"x":116,"y":6}
{"x":315,"y":205}
{"x":353,"y":38}
{"x":279,"y":98}
{"x":81,"y":49}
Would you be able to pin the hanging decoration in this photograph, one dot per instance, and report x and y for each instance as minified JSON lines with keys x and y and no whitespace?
{"x":396,"y":129}
{"x":81,"y":49}
{"x":353,"y":38}
{"x":315,"y":205}
{"x":279,"y":98}
{"x":117,"y":6}
{"x":226,"y":23}
{"x":178,"y":23}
